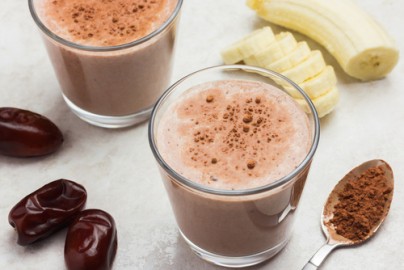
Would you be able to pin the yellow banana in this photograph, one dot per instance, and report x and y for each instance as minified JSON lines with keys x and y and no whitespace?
{"x":284,"y":43}
{"x":296,"y":61}
{"x":361,"y":46}
{"x":309,"y":68}
{"x":255,"y":42}
{"x":254,"y":4}
{"x":324,"y":104}
{"x":300,"y":53}
{"x":316,"y":86}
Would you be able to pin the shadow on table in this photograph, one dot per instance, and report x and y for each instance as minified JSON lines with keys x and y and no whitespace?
{"x":185,"y":259}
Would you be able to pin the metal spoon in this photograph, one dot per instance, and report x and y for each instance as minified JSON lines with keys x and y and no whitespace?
{"x":335,"y":240}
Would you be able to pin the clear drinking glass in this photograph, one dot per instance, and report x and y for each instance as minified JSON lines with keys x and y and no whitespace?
{"x":234,"y":228}
{"x":112,"y":86}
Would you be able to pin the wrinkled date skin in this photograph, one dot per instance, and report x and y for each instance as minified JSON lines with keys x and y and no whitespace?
{"x":47,"y":210}
{"x":91,"y":241}
{"x":27,"y":134}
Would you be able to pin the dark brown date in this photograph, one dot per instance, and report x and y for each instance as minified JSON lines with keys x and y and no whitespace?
{"x":91,"y":241}
{"x":27,"y":134}
{"x":47,"y":210}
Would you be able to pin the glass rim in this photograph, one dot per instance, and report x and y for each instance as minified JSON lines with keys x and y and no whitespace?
{"x":191,"y":184}
{"x":71,"y":44}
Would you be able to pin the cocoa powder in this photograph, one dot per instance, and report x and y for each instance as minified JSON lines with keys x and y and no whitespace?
{"x":252,"y":116}
{"x":106,"y":22}
{"x":213,"y":145}
{"x":361,"y":204}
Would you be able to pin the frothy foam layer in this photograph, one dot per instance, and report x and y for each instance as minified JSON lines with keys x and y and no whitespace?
{"x":104,"y":22}
{"x":234,"y":134}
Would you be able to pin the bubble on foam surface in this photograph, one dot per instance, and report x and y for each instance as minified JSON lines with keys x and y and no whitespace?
{"x":255,"y":133}
{"x":104,"y":22}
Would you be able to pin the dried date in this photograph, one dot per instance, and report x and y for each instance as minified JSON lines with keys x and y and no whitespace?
{"x":47,"y":210}
{"x":27,"y":134}
{"x":91,"y":241}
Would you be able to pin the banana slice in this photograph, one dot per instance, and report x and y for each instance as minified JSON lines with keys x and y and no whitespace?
{"x":324,"y":104}
{"x":283,"y":45}
{"x":316,"y":86}
{"x":255,"y":42}
{"x":361,"y":46}
{"x":254,"y":4}
{"x":299,"y":54}
{"x":307,"y":69}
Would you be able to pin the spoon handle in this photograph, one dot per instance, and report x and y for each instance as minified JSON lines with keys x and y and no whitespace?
{"x":319,"y":256}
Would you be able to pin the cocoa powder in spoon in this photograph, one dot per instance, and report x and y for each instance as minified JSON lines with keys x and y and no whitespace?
{"x":361,"y":204}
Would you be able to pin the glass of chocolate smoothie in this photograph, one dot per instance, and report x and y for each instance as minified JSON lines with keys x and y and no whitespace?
{"x":112,"y":58}
{"x":234,"y":150}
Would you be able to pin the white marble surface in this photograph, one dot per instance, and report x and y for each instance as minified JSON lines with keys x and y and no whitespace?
{"x":119,"y":172}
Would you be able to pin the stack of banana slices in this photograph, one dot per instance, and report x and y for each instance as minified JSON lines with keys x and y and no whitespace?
{"x":283,"y":54}
{"x":360,"y":45}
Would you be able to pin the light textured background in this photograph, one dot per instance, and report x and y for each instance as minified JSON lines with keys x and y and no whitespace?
{"x":119,"y":172}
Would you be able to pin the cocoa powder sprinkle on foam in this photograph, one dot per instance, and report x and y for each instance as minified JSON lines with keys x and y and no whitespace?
{"x":104,"y":22}
{"x":209,"y":98}
{"x":238,"y":120}
{"x":247,"y":118}
{"x":216,"y":124}
{"x":251,"y":164}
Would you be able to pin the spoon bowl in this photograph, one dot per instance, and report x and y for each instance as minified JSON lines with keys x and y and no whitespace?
{"x":334,"y":239}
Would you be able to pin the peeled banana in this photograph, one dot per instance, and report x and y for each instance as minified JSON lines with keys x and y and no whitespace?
{"x":251,"y":44}
{"x":361,"y":46}
{"x":307,"y":69}
{"x":285,"y":43}
{"x":294,"y":60}
{"x":324,"y":104}
{"x":298,"y":55}
{"x":316,"y":86}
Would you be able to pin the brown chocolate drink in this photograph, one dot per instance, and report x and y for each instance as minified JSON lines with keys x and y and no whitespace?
{"x":112,"y":58}
{"x":236,"y":227}
{"x":230,"y":136}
